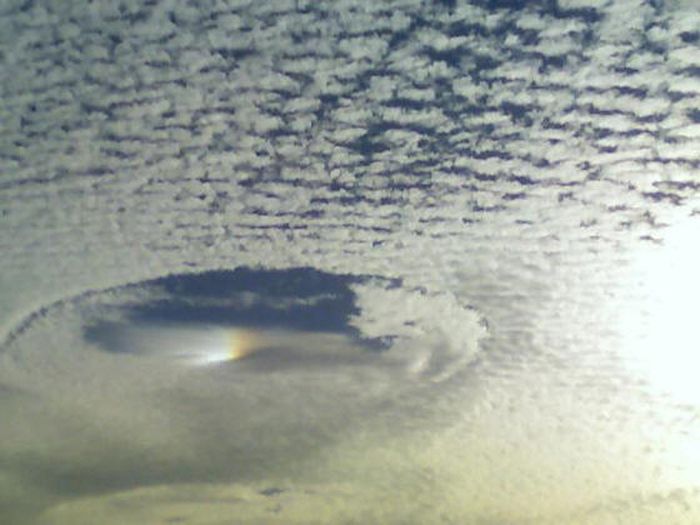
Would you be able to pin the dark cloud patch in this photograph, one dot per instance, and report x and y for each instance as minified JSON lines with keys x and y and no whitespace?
{"x":302,"y":299}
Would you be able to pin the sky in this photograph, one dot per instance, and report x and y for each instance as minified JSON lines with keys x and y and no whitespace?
{"x":503,"y":193}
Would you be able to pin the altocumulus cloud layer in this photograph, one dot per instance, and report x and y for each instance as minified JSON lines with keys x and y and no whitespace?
{"x":289,"y":130}
{"x":524,"y":158}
